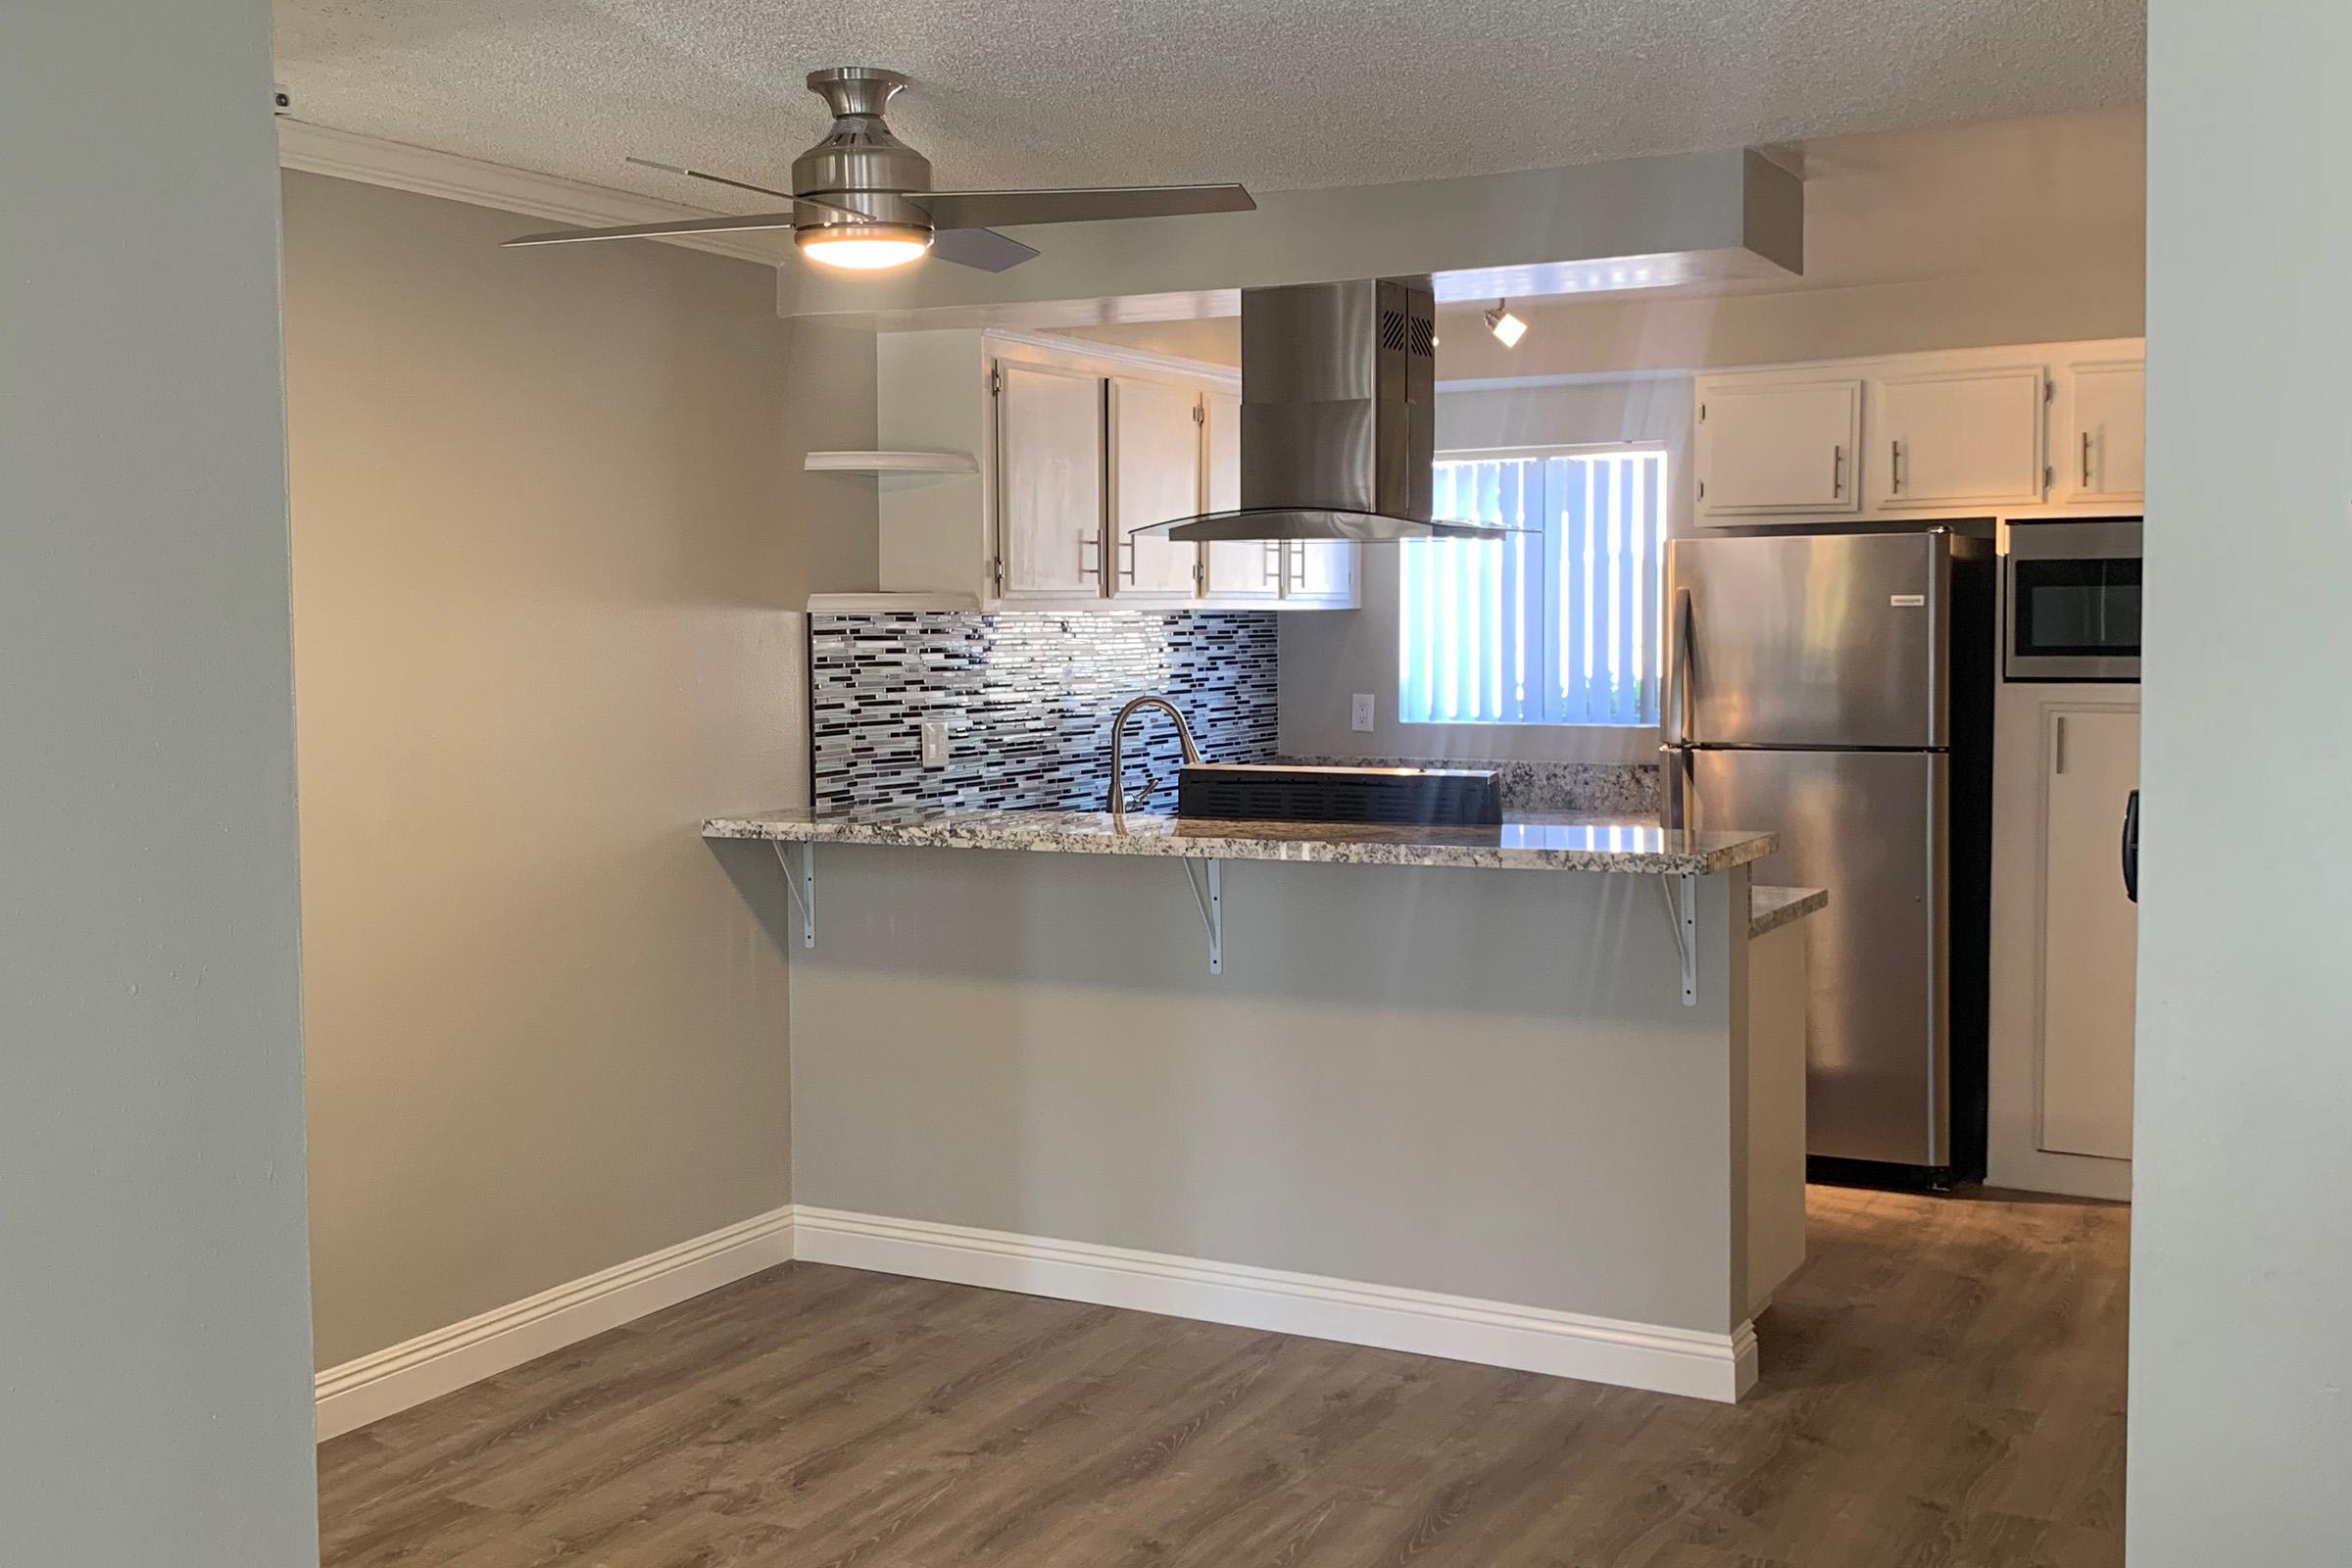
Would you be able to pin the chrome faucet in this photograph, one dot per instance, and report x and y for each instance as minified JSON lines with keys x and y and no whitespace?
{"x":1118,"y":729}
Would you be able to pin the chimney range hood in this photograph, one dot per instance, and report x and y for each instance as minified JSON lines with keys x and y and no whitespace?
{"x":1339,"y":409}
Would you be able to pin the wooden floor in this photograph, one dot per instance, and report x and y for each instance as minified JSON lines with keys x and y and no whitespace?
{"x":1943,"y":1383}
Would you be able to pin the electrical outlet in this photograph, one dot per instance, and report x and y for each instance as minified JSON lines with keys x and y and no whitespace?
{"x":1359,"y":713}
{"x":935,"y":743}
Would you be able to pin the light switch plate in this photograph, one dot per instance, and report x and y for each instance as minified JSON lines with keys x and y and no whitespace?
{"x":935,"y":743}
{"x":1359,"y":714}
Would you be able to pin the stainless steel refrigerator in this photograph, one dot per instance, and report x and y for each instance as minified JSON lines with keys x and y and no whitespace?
{"x":1838,"y":688}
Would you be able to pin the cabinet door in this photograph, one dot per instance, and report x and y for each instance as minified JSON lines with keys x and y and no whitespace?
{"x":1049,"y":481}
{"x":1238,"y":569}
{"x":1947,"y":439}
{"x":1155,"y":477}
{"x":2105,"y":459}
{"x":2089,"y":931}
{"x":1778,"y":447}
{"x":1319,"y":571}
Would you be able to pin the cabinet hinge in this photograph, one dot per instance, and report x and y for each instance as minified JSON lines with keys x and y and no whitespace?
{"x":1200,"y":414}
{"x":996,"y":382}
{"x":1702,"y":414}
{"x":996,"y":571}
{"x":1200,"y":575}
{"x":2049,"y":390}
{"x":2049,"y":477}
{"x":1702,"y":489}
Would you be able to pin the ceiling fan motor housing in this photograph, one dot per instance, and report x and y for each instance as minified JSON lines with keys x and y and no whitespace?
{"x":859,"y":165}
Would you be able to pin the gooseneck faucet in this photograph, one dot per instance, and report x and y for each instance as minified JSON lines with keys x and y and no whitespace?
{"x":1118,"y":729}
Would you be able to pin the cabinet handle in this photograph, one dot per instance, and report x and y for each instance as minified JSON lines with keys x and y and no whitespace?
{"x":1836,"y":471}
{"x":1127,"y":572}
{"x":1090,"y":555}
{"x":1270,"y":569}
{"x":1895,"y":466}
{"x":2058,"y":747}
{"x":2086,"y":459}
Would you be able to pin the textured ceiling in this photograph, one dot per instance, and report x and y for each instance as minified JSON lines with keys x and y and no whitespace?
{"x":1311,"y":92}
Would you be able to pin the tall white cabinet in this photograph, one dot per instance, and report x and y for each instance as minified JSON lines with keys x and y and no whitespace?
{"x":2064,"y":940}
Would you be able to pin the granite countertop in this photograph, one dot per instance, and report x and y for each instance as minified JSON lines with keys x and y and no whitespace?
{"x":1770,"y":909}
{"x":1533,"y":841}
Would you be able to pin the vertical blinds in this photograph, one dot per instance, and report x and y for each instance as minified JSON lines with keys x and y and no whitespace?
{"x":1553,"y":626}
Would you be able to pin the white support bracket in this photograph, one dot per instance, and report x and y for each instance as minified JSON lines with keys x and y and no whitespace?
{"x":1680,"y":894}
{"x":802,"y":890}
{"x":1211,"y":899}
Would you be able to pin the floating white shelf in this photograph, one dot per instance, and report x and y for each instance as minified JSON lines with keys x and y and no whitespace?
{"x":892,"y":463}
{"x":884,"y":603}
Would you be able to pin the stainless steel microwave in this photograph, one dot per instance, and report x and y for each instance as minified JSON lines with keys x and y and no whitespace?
{"x":2071,"y":600}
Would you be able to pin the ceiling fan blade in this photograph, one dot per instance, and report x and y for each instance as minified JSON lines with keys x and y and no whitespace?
{"x":748,"y":222}
{"x":987,"y":209}
{"x":983,"y":248}
{"x":697,"y":173}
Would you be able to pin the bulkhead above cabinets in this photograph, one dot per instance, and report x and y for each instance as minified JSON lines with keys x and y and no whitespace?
{"x":1078,"y":446}
{"x":1913,"y":437}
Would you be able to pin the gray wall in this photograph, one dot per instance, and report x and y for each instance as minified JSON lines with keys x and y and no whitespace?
{"x":1474,"y":1081}
{"x":155,"y":1393}
{"x":2241,"y":1425}
{"x":1328,"y":656}
{"x":550,"y":536}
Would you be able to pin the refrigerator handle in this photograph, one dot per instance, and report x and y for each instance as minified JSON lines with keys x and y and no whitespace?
{"x":1675,"y":754}
{"x":1680,"y":666}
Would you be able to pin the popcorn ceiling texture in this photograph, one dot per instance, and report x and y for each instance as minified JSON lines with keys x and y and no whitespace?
{"x":1312,"y":92}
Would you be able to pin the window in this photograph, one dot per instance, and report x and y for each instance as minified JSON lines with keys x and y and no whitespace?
{"x":1553,"y":626}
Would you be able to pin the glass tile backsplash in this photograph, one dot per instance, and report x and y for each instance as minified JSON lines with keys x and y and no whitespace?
{"x":1028,"y":700}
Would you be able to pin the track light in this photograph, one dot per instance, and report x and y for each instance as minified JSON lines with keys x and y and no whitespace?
{"x":1507,"y":328}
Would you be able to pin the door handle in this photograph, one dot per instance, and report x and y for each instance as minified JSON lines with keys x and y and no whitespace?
{"x":2131,"y":848}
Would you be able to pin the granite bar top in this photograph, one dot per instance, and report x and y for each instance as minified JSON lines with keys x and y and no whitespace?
{"x":1530,"y":841}
{"x":1770,"y":909}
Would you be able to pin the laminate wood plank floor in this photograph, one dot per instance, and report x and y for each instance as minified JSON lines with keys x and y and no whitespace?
{"x":1942,"y":1385}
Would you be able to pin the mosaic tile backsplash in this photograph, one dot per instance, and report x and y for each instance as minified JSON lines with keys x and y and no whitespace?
{"x":1028,"y":698}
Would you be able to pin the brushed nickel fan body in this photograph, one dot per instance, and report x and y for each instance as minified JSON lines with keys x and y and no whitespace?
{"x":862,"y":182}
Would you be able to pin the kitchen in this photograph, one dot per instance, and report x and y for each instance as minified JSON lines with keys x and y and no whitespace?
{"x":1515,"y":1093}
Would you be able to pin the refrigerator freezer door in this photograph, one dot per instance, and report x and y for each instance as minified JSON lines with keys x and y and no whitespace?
{"x":1870,"y":827}
{"x":1829,"y":640}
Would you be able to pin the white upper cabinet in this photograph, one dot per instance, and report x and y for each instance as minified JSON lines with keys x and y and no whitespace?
{"x":1155,"y":474}
{"x":1772,"y":445}
{"x":2103,"y":455}
{"x":1319,"y":571}
{"x":1050,"y":501}
{"x":1238,"y":569}
{"x":1953,"y":438}
{"x":1951,"y":434}
{"x":1076,"y":445}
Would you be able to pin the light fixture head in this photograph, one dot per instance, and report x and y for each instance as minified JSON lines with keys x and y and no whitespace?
{"x":1507,"y":328}
{"x":864,"y":247}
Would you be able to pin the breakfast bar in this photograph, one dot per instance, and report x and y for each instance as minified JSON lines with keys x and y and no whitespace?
{"x":1509,"y":1093}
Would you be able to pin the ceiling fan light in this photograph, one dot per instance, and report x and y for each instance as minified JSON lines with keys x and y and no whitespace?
{"x":864,"y":247}
{"x":1507,"y":328}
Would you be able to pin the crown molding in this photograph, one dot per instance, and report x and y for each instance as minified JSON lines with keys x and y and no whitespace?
{"x":345,"y":155}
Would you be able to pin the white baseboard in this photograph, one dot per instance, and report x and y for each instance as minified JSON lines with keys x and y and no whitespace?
{"x":1640,"y":1355}
{"x":431,"y":1365}
{"x":1568,"y":1344}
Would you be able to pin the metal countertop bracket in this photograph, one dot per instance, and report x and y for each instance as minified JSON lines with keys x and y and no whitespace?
{"x":804,"y":890}
{"x":1680,"y":894}
{"x":1211,"y":899}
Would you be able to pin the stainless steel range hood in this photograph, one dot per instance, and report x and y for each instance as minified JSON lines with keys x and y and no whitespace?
{"x":1339,"y":417}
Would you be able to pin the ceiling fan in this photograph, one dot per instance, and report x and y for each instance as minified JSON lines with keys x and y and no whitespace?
{"x":863,"y":199}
